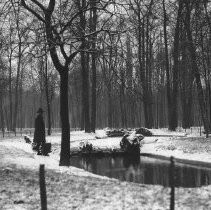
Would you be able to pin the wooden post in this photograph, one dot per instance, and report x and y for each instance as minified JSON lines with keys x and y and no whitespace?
{"x":43,"y":196}
{"x":200,"y":128}
{"x":172,"y":183}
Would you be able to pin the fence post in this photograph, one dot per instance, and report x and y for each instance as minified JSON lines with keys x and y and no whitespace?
{"x":200,"y":129}
{"x":172,"y":183}
{"x":43,"y":196}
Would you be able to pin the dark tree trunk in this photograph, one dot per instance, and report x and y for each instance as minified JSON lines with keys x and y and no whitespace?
{"x":85,"y":89}
{"x":149,"y":61}
{"x":208,"y":55}
{"x":129,"y":105}
{"x":147,"y":101}
{"x":187,"y":113}
{"x":110,"y":110}
{"x":10,"y":123}
{"x":47,"y":96}
{"x":17,"y":85}
{"x":84,"y":66}
{"x":186,"y":86}
{"x":133,"y":111}
{"x":187,"y":104}
{"x":63,"y":71}
{"x":209,"y":92}
{"x":16,"y":91}
{"x":2,"y":115}
{"x":142,"y":67}
{"x":48,"y":110}
{"x":82,"y":112}
{"x":93,"y":110}
{"x":167,"y":62}
{"x":173,"y":122}
{"x":64,"y":115}
{"x":145,"y":68}
{"x":21,"y":101}
{"x":94,"y":56}
{"x":122,"y":103}
{"x":196,"y":72}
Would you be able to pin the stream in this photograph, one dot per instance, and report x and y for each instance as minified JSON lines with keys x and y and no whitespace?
{"x":145,"y":170}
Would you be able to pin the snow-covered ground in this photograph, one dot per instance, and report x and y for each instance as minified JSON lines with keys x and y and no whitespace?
{"x":73,"y":188}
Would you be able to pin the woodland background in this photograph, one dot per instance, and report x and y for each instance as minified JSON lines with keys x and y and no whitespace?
{"x":137,"y":63}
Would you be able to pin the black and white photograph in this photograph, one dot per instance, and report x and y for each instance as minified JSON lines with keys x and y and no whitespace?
{"x":105,"y":104}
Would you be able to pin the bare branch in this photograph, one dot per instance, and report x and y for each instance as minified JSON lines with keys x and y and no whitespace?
{"x":23,"y":3}
{"x":51,"y":6}
{"x":39,"y":5}
{"x":71,"y":57}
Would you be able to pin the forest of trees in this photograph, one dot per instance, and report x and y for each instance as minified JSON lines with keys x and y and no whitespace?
{"x":105,"y":63}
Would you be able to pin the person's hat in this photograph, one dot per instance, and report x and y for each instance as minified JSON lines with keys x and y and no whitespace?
{"x":40,"y":110}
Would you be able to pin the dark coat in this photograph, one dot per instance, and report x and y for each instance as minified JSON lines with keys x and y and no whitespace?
{"x":39,"y":133}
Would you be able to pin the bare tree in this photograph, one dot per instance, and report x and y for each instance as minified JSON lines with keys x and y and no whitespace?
{"x":93,"y":27}
{"x":196,"y":71}
{"x":64,"y":43}
{"x":168,"y":82}
{"x":53,"y":37}
{"x":173,"y":122}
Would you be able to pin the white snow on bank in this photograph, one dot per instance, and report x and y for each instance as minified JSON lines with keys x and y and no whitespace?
{"x":151,"y":149}
{"x":161,"y":144}
{"x":101,"y":193}
{"x":32,"y":160}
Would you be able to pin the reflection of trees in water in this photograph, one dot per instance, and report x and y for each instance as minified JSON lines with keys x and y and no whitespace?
{"x":133,"y":172}
{"x":144,"y":171}
{"x":158,"y":173}
{"x":191,"y":176}
{"x":133,"y":161}
{"x":184,"y":176}
{"x":89,"y":164}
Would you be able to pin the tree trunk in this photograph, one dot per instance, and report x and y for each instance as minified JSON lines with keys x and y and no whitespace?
{"x":186,"y":86}
{"x":145,"y":68}
{"x":93,"y":29}
{"x":21,"y":100}
{"x":93,"y":110}
{"x":18,"y":67}
{"x":64,"y":115}
{"x":16,"y":90}
{"x":110,"y":110}
{"x":84,"y":66}
{"x":47,"y":95}
{"x":167,"y":62}
{"x":9,"y":125}
{"x":147,"y":101}
{"x":208,"y":55}
{"x":85,"y":89}
{"x":209,"y":92}
{"x":174,"y":100}
{"x":122,"y":101}
{"x":129,"y":104}
{"x":196,"y":72}
{"x":82,"y":111}
{"x":2,"y":115}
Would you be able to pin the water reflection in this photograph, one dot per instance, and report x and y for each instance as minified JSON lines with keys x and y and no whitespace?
{"x":143,"y":170}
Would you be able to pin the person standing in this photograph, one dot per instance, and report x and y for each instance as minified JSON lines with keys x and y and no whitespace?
{"x":39,"y":133}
